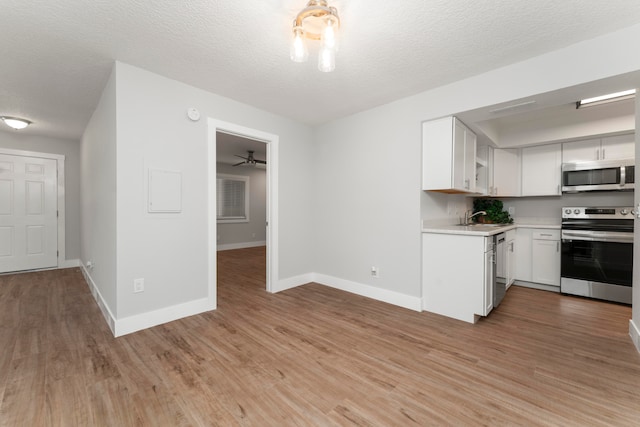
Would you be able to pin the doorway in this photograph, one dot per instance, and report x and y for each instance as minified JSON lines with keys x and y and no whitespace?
{"x":219,"y":130}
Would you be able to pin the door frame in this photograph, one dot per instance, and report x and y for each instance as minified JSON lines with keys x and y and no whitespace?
{"x":59,"y":158}
{"x":271,"y":140}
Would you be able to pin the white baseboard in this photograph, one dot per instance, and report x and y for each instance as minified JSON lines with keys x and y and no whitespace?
{"x":634,"y":333}
{"x":539,"y":286}
{"x":102,"y":304}
{"x":149,"y":319}
{"x":146,"y":320}
{"x":384,"y":295}
{"x":292,"y":282}
{"x":69,"y":263}
{"x":243,"y":245}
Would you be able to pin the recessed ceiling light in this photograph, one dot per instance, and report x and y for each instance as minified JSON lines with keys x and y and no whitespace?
{"x":15,"y":122}
{"x":604,"y":99}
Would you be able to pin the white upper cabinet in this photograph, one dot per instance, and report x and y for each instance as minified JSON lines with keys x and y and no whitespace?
{"x":581,"y":151}
{"x":448,"y":156}
{"x":618,"y":147}
{"x":541,"y":170}
{"x":609,"y":148}
{"x":482,"y":169}
{"x":506,"y":173}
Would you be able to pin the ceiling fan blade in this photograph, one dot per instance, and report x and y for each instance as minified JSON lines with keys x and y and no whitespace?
{"x":238,"y":164}
{"x":260,"y":161}
{"x":242,"y":157}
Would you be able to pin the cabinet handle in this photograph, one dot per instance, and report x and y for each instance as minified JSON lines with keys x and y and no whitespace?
{"x":603,"y":156}
{"x":558,"y":192}
{"x":597,"y":154}
{"x":558,"y":246}
{"x":466,"y":184}
{"x":543,"y":234}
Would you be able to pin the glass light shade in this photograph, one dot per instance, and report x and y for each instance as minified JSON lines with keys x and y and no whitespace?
{"x":327,"y":60}
{"x":16,"y":123}
{"x":299,"y":51}
{"x":329,"y":35}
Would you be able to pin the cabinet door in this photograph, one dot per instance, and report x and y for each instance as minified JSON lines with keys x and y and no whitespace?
{"x":523,"y":254}
{"x":469,"y":160}
{"x":459,"y":156}
{"x":581,"y":151}
{"x":448,"y":156}
{"x":618,"y":147}
{"x":506,"y":173}
{"x":489,"y":265}
{"x":545,"y":267}
{"x":510,"y":262}
{"x":437,"y":152}
{"x":541,"y":169}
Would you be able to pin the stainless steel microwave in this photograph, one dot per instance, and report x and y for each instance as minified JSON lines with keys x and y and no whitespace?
{"x":599,"y":175}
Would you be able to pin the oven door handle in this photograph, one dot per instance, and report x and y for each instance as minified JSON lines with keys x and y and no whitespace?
{"x":598,"y":236}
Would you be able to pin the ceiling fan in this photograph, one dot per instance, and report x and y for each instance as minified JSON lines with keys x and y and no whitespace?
{"x":249,"y":160}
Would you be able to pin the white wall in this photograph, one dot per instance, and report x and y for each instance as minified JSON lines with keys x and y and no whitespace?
{"x":71,"y":150}
{"x":170,"y":250}
{"x":246,"y":233}
{"x":368,"y":203}
{"x":98,"y":196}
{"x":550,"y":207}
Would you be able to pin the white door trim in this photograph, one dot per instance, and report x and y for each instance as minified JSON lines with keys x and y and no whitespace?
{"x":271,"y":140}
{"x":59,"y":158}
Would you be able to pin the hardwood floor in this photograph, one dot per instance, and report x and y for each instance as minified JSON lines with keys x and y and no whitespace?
{"x":311,"y":356}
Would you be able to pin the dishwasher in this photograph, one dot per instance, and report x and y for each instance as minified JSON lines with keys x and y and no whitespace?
{"x":500,"y":284}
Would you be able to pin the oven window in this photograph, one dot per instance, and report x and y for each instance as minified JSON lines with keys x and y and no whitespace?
{"x":604,"y":262}
{"x":592,"y":177}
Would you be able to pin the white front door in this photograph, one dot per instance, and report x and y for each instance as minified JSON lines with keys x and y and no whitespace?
{"x":28,"y":213}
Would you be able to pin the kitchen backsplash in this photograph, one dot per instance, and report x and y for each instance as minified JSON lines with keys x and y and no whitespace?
{"x":550,"y":207}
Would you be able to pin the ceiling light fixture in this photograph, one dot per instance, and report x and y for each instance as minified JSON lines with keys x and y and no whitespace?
{"x":317,"y":21}
{"x":605,"y":99}
{"x":15,"y":122}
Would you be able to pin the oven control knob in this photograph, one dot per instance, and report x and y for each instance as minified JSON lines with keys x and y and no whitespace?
{"x":576,"y":211}
{"x":567,"y":211}
{"x":624,"y":212}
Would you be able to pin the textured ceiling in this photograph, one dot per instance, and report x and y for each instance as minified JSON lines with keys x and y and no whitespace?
{"x":57,"y":55}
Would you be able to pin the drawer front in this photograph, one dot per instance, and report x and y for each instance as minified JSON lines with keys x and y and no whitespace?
{"x":546,"y":234}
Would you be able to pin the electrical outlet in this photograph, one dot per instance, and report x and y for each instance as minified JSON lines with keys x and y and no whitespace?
{"x":375,"y":272}
{"x":512,"y":210}
{"x":138,"y":285}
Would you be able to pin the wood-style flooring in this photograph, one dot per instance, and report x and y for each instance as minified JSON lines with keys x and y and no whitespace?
{"x":311,"y":356}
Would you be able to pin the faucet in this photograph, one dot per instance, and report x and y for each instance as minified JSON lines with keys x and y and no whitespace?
{"x":468,"y":217}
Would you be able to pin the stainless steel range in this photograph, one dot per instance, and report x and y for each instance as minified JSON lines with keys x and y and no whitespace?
{"x":597,"y":252}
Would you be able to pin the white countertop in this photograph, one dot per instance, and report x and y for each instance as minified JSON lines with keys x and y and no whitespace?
{"x":472,"y":230}
{"x":481,"y":230}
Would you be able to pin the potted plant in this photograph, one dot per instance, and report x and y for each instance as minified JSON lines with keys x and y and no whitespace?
{"x":494,"y":209}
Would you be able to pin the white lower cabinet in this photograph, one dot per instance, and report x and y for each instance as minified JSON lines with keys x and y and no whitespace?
{"x":457,"y":275}
{"x":538,"y":256}
{"x":510,"y":258}
{"x":545,"y":257}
